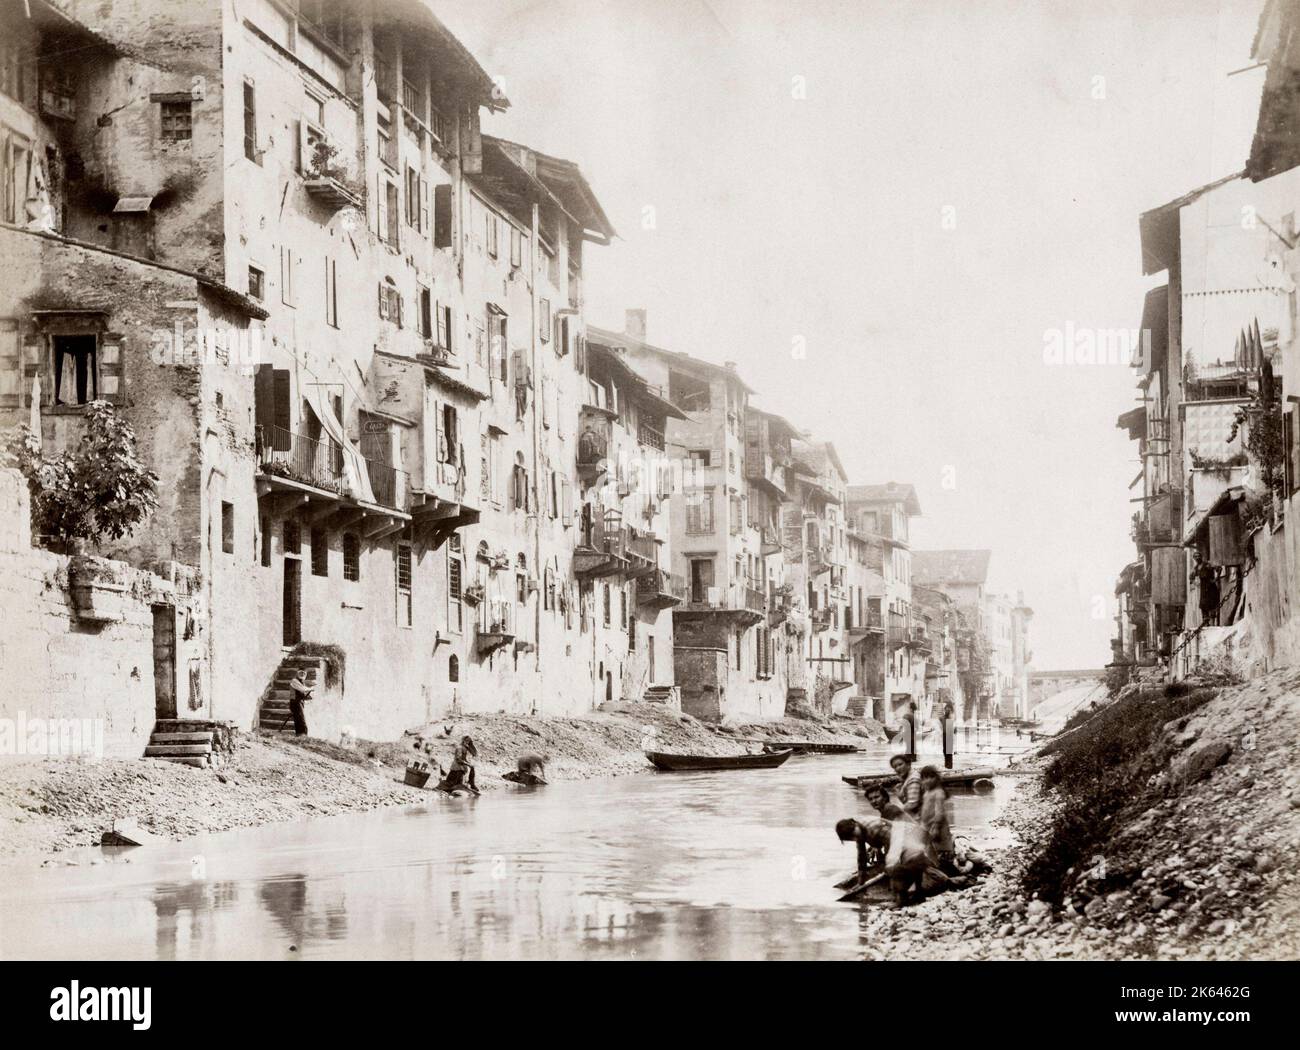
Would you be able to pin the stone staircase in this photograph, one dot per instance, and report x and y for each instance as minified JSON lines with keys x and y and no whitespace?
{"x":185,"y":741}
{"x":273,"y":714}
{"x":859,"y":707}
{"x":662,"y":694}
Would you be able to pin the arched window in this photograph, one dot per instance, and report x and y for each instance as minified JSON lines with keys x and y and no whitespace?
{"x":521,"y":579}
{"x":453,"y":668}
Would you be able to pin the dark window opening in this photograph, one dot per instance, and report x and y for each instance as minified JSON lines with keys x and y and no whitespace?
{"x":320,"y":553}
{"x":227,"y":528}
{"x":250,"y":122}
{"x":351,"y":556}
{"x":292,"y":538}
{"x":453,"y":668}
{"x":75,"y":361}
{"x":266,"y":541}
{"x":177,"y":121}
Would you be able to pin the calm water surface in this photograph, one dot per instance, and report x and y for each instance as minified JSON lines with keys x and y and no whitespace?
{"x":663,"y":866}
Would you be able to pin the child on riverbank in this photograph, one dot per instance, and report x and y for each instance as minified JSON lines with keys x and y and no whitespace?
{"x":934,"y":818}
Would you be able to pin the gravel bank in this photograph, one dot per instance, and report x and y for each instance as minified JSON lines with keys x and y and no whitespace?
{"x":51,"y":805}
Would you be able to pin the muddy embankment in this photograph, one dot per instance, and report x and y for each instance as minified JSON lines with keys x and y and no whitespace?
{"x":48,"y":806}
{"x":1165,"y":827}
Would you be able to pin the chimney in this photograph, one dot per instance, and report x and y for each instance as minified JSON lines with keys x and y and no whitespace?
{"x":634,"y":324}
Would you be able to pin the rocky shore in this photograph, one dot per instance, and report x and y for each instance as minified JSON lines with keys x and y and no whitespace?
{"x":1201,"y":866}
{"x":48,"y":806}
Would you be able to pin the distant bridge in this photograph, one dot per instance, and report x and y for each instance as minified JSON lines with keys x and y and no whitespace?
{"x":1045,"y":684}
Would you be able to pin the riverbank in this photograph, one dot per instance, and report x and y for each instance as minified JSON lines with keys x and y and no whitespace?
{"x":1197,"y":861}
{"x":49,"y":806}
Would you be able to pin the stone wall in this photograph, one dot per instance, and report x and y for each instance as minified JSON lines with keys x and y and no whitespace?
{"x":78,"y":641}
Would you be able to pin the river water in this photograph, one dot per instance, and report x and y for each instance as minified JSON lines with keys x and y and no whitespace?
{"x":735,"y":865}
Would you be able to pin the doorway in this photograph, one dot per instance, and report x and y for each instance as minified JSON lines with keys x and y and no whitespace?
{"x":292,"y":601}
{"x":164,"y":661}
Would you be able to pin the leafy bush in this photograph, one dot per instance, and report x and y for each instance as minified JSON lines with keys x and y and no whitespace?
{"x":99,"y":490}
{"x":1105,"y":772}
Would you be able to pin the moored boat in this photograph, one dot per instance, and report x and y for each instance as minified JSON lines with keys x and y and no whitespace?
{"x":700,"y":763}
{"x":971,"y":778}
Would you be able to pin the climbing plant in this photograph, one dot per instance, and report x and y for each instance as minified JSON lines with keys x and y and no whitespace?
{"x":97,"y":491}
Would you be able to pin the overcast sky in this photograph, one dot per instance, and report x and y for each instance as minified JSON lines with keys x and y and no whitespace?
{"x":956,"y":181}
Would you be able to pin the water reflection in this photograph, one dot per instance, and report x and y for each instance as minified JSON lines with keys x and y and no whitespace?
{"x":710,"y":865}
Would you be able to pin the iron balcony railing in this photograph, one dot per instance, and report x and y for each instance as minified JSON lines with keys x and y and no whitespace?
{"x":311,"y":461}
{"x":753,"y":597}
{"x":897,"y":630}
{"x":661,"y":584}
{"x":391,"y":485}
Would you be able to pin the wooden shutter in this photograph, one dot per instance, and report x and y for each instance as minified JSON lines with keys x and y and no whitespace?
{"x":442,"y":437}
{"x":442,"y":325}
{"x":442,"y":215}
{"x":283,"y":401}
{"x":264,"y":400}
{"x":566,"y":501}
{"x":304,"y":149}
{"x":424,"y":205}
{"x":381,"y":206}
{"x":383,"y":300}
{"x":33,"y":351}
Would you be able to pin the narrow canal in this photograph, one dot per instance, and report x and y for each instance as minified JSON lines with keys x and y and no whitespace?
{"x":735,"y":865}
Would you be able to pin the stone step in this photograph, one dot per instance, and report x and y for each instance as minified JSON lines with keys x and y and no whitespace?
{"x":184,"y":725}
{"x":182,"y":760}
{"x":176,"y":750}
{"x":302,"y":661}
{"x":275,"y":705}
{"x":182,"y":738}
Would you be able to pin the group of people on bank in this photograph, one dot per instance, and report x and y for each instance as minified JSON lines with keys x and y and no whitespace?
{"x":910,"y":843}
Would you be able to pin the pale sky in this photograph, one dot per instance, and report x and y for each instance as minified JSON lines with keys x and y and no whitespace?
{"x":1044,"y":129}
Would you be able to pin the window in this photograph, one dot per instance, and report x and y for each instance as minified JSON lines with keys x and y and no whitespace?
{"x":250,"y":122}
{"x":402,"y":571}
{"x":701,"y":579}
{"x":286,"y":275}
{"x":313,"y":108}
{"x":177,"y":121}
{"x":412,"y":197}
{"x":320,"y":553}
{"x":256,"y":283}
{"x":351,"y":556}
{"x":516,"y":247}
{"x":331,"y":293}
{"x":455,"y":570}
{"x":391,"y":217}
{"x":453,"y":668}
{"x":699,"y":512}
{"x":424,"y":316}
{"x":75,"y":367}
{"x":266,"y":541}
{"x":700,"y":457}
{"x":444,"y":326}
{"x":390,"y":302}
{"x":493,"y":230}
{"x":622,"y":607}
{"x":15,"y":70}
{"x":292,"y":538}
{"x":519,"y":488}
{"x":227,"y":528}
{"x":449,"y":451}
{"x":544,"y":320}
{"x":606,"y":605}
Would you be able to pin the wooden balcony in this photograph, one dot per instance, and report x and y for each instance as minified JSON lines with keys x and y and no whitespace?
{"x":660,"y":589}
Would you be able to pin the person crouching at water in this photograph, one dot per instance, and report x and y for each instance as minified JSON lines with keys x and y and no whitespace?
{"x":529,"y":770}
{"x":462,"y":765}
{"x":880,"y":801}
{"x":909,"y":861}
{"x":869,"y":854}
{"x":934,"y":818}
{"x":909,"y":785}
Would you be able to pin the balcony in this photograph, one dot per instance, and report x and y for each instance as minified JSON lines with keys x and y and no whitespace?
{"x":871,"y":623}
{"x":306,"y":461}
{"x":741,"y":602}
{"x":820,"y":619}
{"x":897,"y":630}
{"x":594,"y":440}
{"x":390,"y":485}
{"x":650,"y":436}
{"x":918,"y":639}
{"x":660,"y":589}
{"x":611,"y":548}
{"x":496,"y":627}
{"x":332,"y":191}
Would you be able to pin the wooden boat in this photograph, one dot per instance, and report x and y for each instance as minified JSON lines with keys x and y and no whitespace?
{"x":690,"y":763}
{"x":874,"y":887}
{"x":959,"y":778}
{"x":810,"y":747}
